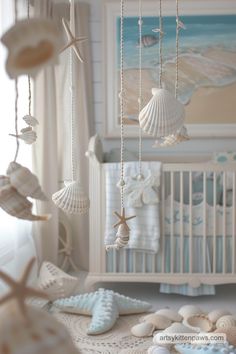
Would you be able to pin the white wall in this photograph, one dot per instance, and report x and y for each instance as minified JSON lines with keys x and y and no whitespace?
{"x":203,"y":146}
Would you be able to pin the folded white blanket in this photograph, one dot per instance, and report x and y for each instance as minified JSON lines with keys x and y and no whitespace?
{"x":145,"y":228}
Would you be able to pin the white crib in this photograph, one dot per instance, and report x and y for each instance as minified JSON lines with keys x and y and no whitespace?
{"x":217,"y":236}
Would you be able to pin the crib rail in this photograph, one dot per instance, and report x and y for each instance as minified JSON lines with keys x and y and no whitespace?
{"x":191,"y":193}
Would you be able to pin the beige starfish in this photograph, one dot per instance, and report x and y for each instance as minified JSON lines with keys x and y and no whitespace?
{"x":19,"y":290}
{"x":123,"y":218}
{"x":72,"y":41}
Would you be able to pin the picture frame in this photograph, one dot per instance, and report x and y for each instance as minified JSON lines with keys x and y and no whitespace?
{"x":200,"y":124}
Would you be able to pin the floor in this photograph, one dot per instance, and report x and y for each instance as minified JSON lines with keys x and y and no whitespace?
{"x":225,"y":296}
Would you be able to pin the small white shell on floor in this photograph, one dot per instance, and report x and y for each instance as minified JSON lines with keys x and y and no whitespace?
{"x":158,"y":350}
{"x":32,"y":44}
{"x":72,"y":199}
{"x":177,"y":327}
{"x":171,"y":314}
{"x":190,"y":310}
{"x":25,"y":182}
{"x":230,"y":334}
{"x":216,"y":314}
{"x":199,"y":323}
{"x":163,"y":115}
{"x":30,"y":120}
{"x":225,"y":322}
{"x":143,"y":330}
{"x":159,"y":321}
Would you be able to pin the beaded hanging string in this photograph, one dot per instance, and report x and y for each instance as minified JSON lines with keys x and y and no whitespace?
{"x":160,"y":44}
{"x":16,"y":97}
{"x":140,"y":99}
{"x":29,"y":81}
{"x":72,"y":97}
{"x":177,"y":51}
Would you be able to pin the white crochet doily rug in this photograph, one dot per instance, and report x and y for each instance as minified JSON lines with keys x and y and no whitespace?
{"x":118,"y":340}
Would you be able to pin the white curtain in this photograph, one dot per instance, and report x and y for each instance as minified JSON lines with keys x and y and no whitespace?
{"x":16,"y":242}
{"x":52,"y":161}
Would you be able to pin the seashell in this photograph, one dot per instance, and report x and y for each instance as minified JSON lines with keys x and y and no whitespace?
{"x":27,"y":135}
{"x":177,"y":327}
{"x":4,"y":181}
{"x":159,"y":321}
{"x":190,"y":310}
{"x":144,"y":329}
{"x":225,"y":322}
{"x":56,"y":283}
{"x":199,"y":323}
{"x":216,"y":314}
{"x":30,"y":120}
{"x":230,"y":333}
{"x":172,"y":315}
{"x":72,"y":199}
{"x":163,"y":115}
{"x":44,"y":334}
{"x":158,"y":350}
{"x":32,"y":44}
{"x":24,"y":181}
{"x":16,"y":205}
{"x":122,"y":237}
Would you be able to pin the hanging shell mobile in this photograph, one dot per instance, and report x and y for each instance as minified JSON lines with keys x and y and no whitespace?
{"x":30,"y":120}
{"x":31,"y":44}
{"x":28,"y":135}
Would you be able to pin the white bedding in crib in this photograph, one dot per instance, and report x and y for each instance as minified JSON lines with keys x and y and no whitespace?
{"x":199,"y":222}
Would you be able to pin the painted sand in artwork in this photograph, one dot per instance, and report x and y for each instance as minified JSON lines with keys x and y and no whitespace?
{"x":207,"y":65}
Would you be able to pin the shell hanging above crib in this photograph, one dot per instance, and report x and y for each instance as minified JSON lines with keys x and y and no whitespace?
{"x":31,"y":44}
{"x":72,"y":199}
{"x":122,"y":237}
{"x":30,"y":120}
{"x":24,"y":181}
{"x":173,"y":139}
{"x":28,"y":135}
{"x":163,"y":115}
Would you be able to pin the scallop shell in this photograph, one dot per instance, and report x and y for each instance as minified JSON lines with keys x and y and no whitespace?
{"x":216,"y":314}
{"x":72,"y":199}
{"x":25,"y":182}
{"x":31,"y":44}
{"x":159,"y":321}
{"x":230,"y":333}
{"x":199,"y":323}
{"x":158,"y":350}
{"x":163,"y":115}
{"x":44,"y":334}
{"x":27,"y":135}
{"x":30,"y":120}
{"x":16,"y":205}
{"x":56,"y":283}
{"x":190,"y":310}
{"x":144,"y":329}
{"x":225,"y":322}
{"x":172,"y":315}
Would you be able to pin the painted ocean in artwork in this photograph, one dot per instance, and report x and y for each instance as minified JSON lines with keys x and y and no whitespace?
{"x":207,"y":59}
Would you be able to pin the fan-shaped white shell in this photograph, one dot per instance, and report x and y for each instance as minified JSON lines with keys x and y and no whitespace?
{"x":44,"y":334}
{"x":25,"y":182}
{"x":159,"y":321}
{"x":225,"y":322}
{"x":158,"y":350}
{"x":200,"y":323}
{"x":163,"y":115}
{"x":72,"y":199}
{"x":28,"y":135}
{"x":171,"y":314}
{"x":56,"y":283}
{"x":216,"y":314}
{"x":190,"y":310}
{"x":144,"y":329}
{"x":31,"y":44}
{"x":30,"y":120}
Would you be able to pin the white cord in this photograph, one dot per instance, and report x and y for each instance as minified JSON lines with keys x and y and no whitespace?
{"x":177,"y":51}
{"x":29,"y":82}
{"x":160,"y":43}
{"x":16,"y":97}
{"x":140,"y":99}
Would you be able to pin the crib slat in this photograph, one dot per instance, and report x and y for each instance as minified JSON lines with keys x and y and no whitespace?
{"x":181,"y":224}
{"x":163,"y":222}
{"x":224,"y":222}
{"x":153,"y":263}
{"x":144,"y":263}
{"x":190,"y":223}
{"x":134,"y":262}
{"x":172,"y":190}
{"x":233,"y":235}
{"x":125,"y":260}
{"x":204,"y":222}
{"x":114,"y":257}
{"x":214,"y":223}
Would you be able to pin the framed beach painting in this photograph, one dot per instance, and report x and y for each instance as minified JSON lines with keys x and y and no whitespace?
{"x":207,"y":63}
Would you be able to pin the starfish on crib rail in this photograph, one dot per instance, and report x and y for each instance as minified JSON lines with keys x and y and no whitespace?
{"x":123,"y":218}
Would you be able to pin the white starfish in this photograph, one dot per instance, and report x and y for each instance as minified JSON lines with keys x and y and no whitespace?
{"x":72,"y":41}
{"x":104,"y":306}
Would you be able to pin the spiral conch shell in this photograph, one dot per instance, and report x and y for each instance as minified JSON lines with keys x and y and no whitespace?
{"x":122,"y":237}
{"x":24,"y":181}
{"x":31,"y":44}
{"x":225,"y":322}
{"x":72,"y":199}
{"x":163,"y":115}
